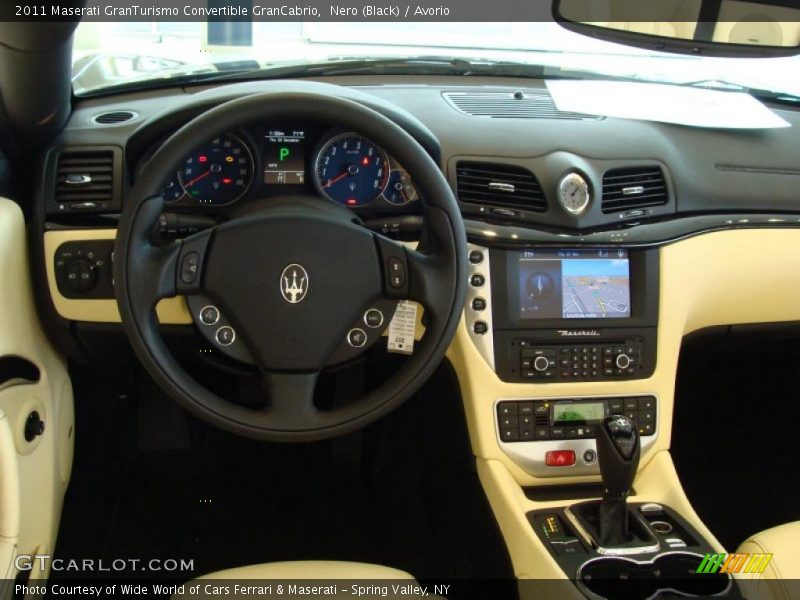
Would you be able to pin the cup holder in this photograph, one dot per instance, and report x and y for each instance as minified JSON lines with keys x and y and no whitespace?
{"x":670,"y":573}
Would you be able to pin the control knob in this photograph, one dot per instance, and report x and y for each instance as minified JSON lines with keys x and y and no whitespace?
{"x":541,"y":364}
{"x":80,"y":275}
{"x":623,"y":361}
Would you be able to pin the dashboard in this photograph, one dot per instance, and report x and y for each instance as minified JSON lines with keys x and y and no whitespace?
{"x":260,"y":161}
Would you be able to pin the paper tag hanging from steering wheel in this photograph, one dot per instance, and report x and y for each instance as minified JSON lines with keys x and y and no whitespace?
{"x":402,"y":328}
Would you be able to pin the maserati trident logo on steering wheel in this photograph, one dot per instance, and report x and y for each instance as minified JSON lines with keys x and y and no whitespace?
{"x":294,"y":284}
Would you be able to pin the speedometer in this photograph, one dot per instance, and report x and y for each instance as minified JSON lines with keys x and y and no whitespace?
{"x":219,"y":172}
{"x":351,"y":170}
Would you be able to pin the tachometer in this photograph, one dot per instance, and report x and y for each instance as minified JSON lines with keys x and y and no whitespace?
{"x":351,"y":170}
{"x":218,"y":173}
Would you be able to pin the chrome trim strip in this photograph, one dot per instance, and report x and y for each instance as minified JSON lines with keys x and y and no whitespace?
{"x":576,"y":523}
{"x":484,"y":343}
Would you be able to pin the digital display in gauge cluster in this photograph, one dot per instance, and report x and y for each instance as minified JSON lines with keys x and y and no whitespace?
{"x":285,"y":157}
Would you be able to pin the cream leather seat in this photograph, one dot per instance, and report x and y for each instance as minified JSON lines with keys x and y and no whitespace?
{"x":316,"y":572}
{"x":781,"y":579}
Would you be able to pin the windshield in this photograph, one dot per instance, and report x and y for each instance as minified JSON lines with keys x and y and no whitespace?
{"x":131,"y":54}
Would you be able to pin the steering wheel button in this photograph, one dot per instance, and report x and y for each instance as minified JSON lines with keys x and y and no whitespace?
{"x":189,"y":267}
{"x":357,"y":338}
{"x":397,"y":273}
{"x":209,"y":315}
{"x":373,"y":318}
{"x":225,"y":336}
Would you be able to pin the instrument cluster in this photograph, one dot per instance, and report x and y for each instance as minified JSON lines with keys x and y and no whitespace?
{"x":260,"y":162}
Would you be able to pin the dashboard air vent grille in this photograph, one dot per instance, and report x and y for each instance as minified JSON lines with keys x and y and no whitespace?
{"x":114,"y":117}
{"x":633,"y":187}
{"x":85,"y":176}
{"x":501,"y":185}
{"x":533,"y":104}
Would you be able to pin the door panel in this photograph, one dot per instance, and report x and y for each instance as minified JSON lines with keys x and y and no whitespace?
{"x":34,"y":470}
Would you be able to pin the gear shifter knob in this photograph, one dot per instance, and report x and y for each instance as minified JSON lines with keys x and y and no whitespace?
{"x":618,"y":447}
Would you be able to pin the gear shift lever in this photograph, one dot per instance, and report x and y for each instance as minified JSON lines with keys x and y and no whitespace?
{"x":618,"y":448}
{"x":606,"y":522}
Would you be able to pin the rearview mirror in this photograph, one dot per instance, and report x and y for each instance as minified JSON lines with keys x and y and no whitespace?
{"x":708,"y":27}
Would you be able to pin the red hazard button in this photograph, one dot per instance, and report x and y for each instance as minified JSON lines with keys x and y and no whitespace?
{"x":560,"y":458}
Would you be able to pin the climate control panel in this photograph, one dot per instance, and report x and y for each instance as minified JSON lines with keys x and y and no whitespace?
{"x":556,"y":436}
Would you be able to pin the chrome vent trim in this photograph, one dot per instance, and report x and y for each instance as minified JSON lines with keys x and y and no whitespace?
{"x":85,"y":175}
{"x":500,"y":185}
{"x":629,"y":188}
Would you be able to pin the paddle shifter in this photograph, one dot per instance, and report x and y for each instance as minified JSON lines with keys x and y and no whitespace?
{"x":607,"y":521}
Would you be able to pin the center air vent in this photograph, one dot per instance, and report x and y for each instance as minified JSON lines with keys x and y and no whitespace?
{"x":85,"y":180}
{"x":633,"y":187}
{"x":114,"y":117}
{"x":532,"y":104}
{"x":494,"y":184}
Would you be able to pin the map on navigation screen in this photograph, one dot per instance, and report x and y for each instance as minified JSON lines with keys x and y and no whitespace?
{"x":574,"y":284}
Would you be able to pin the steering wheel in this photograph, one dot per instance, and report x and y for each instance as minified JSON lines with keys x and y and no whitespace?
{"x":291,"y":285}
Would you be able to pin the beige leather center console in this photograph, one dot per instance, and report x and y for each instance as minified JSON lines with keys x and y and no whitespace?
{"x":718,"y":278}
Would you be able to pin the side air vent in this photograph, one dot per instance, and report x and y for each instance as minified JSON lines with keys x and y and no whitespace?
{"x":114,"y":117}
{"x":85,"y":180}
{"x":500,"y":185}
{"x":533,"y":104}
{"x":633,"y":187}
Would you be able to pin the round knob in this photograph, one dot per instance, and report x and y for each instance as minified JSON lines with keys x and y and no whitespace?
{"x":541,"y":363}
{"x":623,"y":361}
{"x":81,"y":275}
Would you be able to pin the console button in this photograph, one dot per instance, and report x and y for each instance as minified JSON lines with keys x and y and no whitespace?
{"x":567,"y":547}
{"x":647,"y":429}
{"x":479,"y":304}
{"x":542,"y":433}
{"x":209,"y":315}
{"x":476,"y":257}
{"x":509,"y":421}
{"x":507,"y":408}
{"x":509,"y":434}
{"x":357,"y":338}
{"x":525,"y":408}
{"x":373,"y":318}
{"x":477,"y":280}
{"x":589,"y":456}
{"x":630,"y":403}
{"x":526,"y":420}
{"x":614,"y":405}
{"x":540,"y":363}
{"x":647,"y":416}
{"x":647,"y":403}
{"x":480,"y":327}
{"x":225,"y":336}
{"x":558,"y":433}
{"x":541,"y":408}
{"x":623,"y":361}
{"x":559,"y":458}
{"x":525,"y":434}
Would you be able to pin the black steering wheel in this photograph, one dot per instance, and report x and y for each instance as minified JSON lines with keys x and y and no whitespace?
{"x":287,"y":284}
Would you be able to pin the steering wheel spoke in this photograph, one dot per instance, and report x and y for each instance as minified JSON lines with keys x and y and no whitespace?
{"x":290,"y":396}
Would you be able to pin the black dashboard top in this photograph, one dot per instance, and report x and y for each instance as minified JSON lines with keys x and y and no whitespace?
{"x":539,"y":178}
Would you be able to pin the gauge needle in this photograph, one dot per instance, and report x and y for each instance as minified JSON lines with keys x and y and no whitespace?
{"x":198,"y":178}
{"x":339,"y":177}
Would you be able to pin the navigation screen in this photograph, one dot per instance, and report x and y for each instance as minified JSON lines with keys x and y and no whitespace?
{"x":285,"y":157}
{"x":585,"y":412}
{"x":574,"y":284}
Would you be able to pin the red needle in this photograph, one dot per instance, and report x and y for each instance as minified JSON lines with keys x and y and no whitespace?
{"x":198,"y":178}
{"x":337,"y":178}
